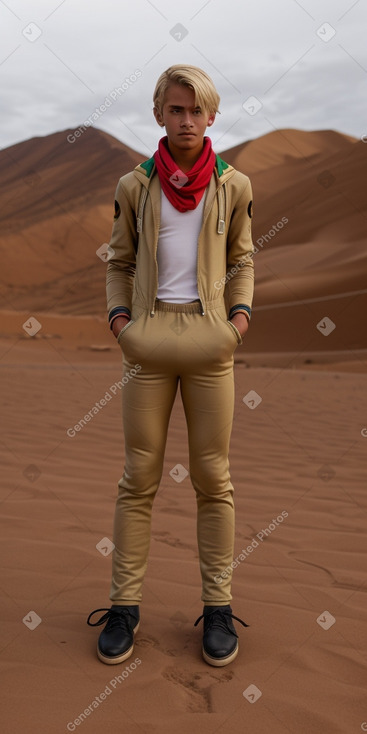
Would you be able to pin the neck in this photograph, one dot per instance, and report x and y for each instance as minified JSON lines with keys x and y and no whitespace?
{"x":185,"y":159}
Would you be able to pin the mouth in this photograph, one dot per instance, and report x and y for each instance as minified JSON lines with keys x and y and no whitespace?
{"x":188,"y":135}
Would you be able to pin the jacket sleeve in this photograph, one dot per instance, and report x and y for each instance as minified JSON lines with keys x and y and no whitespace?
{"x":122,"y":260}
{"x":240,"y":267}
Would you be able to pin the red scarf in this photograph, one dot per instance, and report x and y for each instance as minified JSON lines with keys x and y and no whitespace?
{"x":184,"y":190}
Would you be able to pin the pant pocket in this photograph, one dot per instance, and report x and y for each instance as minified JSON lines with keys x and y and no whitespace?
{"x":235,"y":331}
{"x":222,"y":315}
{"x":124,"y":329}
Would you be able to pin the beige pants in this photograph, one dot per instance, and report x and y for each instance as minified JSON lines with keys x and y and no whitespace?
{"x":176,"y":346}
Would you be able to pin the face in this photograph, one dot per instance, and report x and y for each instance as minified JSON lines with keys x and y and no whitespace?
{"x":184,"y":122}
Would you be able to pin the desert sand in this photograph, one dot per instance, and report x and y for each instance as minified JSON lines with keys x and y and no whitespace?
{"x":298,"y":458}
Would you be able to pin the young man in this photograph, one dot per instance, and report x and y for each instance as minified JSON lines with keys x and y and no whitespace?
{"x":179,"y":296}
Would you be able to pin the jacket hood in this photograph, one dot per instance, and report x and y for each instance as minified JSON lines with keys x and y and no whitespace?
{"x":144,"y":171}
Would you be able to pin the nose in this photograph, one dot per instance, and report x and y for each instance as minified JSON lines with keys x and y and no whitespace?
{"x":186,"y":120}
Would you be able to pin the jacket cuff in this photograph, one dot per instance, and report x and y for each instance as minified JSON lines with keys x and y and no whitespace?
{"x":240,"y":307}
{"x":118,"y":311}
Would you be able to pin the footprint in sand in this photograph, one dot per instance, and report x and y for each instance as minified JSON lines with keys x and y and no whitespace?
{"x":180,"y":621}
{"x":146,"y":641}
{"x":163,"y":537}
{"x":197,"y":686}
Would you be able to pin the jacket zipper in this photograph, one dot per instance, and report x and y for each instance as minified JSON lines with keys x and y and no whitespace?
{"x":197,"y":259}
{"x":152,"y":311}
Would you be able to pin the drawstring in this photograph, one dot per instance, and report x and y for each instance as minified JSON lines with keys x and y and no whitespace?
{"x":221,"y":210}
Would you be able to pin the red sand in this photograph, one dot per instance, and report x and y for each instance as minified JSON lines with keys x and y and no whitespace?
{"x":301,"y":451}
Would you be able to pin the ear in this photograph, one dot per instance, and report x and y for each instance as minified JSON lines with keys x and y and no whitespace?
{"x":211,"y":120}
{"x":158,"y":116}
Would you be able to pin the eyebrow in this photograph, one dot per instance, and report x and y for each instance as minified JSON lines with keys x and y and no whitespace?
{"x":179,"y":107}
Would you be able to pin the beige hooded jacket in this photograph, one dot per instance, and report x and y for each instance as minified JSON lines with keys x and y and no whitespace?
{"x":224,"y":256}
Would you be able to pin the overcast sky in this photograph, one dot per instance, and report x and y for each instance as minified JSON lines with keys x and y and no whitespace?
{"x":276,"y":64}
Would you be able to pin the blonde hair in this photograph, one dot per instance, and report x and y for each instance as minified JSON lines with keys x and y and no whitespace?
{"x":206,"y":95}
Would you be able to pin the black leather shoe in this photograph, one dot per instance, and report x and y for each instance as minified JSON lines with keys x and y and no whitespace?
{"x":116,"y":641}
{"x":220,"y":640}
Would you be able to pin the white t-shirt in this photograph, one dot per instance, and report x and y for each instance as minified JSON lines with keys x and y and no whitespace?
{"x":177,"y":252}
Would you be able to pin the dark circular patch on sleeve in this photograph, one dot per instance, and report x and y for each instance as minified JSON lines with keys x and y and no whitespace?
{"x":249,"y":209}
{"x":117,"y":210}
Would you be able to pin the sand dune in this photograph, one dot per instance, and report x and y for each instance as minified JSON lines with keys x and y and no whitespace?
{"x":309,"y":222}
{"x":301,"y":452}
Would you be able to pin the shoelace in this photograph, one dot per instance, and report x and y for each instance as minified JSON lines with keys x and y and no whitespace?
{"x":219,"y":619}
{"x":115,"y":618}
